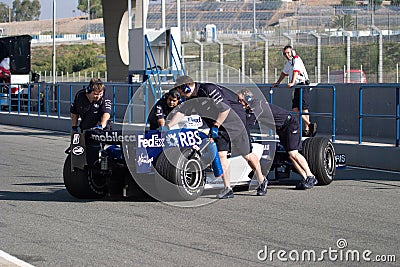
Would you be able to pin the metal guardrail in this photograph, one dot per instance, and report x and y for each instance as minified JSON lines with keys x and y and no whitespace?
{"x":46,"y":101}
{"x":396,"y":116}
{"x":331,"y":114}
{"x":20,"y":100}
{"x":43,"y":100}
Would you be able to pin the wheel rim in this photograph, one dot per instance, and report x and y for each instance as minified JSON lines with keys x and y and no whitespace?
{"x":97,"y":181}
{"x":329,"y":160}
{"x":193,"y":174}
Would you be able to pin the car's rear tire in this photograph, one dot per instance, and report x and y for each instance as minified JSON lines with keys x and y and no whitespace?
{"x":320,"y":155}
{"x":180,"y":174}
{"x":83,"y":184}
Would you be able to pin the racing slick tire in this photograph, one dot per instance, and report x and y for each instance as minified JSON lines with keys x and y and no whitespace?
{"x":320,"y":155}
{"x":83,"y":184}
{"x":182,"y":175}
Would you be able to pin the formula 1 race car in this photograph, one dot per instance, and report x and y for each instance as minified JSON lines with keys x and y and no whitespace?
{"x":173,"y":165}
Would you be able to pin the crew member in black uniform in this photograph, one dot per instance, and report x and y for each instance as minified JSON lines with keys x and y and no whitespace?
{"x":92,"y":106}
{"x":287,"y":128}
{"x":219,"y":108}
{"x":162,"y":108}
{"x":94,"y":110}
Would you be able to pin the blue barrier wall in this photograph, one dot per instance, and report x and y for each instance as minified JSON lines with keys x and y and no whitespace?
{"x":375,"y":100}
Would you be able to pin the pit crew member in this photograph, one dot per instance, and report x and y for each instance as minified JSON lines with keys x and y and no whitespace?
{"x":295,"y":69}
{"x":287,"y":128}
{"x":226,"y":118}
{"x":94,"y":110}
{"x":162,"y":108}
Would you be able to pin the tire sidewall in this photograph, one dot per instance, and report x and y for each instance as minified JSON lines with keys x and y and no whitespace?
{"x":320,"y":155}
{"x":192,"y":192}
{"x":80,"y":184}
{"x":171,"y":175}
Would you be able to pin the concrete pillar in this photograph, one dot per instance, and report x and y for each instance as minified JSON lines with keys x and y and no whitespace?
{"x":113,"y":12}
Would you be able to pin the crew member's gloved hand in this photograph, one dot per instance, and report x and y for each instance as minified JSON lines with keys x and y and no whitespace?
{"x":75,"y":129}
{"x":213,"y":132}
{"x":163,"y":128}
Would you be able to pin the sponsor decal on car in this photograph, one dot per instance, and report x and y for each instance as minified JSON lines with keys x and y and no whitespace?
{"x":340,"y":160}
{"x":113,"y":136}
{"x":194,"y":121}
{"x":151,"y":144}
{"x":153,"y":140}
{"x":174,"y":138}
{"x":78,"y":150}
{"x":143,"y":161}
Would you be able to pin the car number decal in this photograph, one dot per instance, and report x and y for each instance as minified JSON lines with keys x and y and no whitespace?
{"x":75,"y":141}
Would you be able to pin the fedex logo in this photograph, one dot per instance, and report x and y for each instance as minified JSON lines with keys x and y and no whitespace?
{"x":153,"y":141}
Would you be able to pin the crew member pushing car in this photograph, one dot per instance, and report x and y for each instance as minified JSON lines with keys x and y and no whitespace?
{"x":219,"y":108}
{"x":94,"y":109}
{"x":92,"y":106}
{"x":287,"y":128}
{"x":162,"y":108}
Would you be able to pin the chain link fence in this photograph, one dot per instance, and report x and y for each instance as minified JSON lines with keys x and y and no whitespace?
{"x":332,"y":39}
{"x":366,"y":54}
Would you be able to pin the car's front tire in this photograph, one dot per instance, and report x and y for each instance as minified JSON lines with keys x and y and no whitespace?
{"x":180,"y":174}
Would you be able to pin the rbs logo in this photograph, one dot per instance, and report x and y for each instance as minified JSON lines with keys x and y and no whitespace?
{"x":189,"y":138}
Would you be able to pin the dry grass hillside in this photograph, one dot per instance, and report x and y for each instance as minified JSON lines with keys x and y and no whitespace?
{"x":320,"y":3}
{"x":73,"y":25}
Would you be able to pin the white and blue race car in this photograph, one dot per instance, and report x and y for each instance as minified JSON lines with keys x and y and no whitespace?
{"x":177,"y":164}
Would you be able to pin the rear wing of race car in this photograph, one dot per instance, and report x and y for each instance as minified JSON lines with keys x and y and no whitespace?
{"x":78,"y":151}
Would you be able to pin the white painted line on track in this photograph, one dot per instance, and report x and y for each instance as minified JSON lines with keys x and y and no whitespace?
{"x":370,"y":169}
{"x":8,"y":260}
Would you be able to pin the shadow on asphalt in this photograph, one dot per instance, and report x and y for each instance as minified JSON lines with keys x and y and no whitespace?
{"x":58,"y":193}
{"x":29,"y":133}
{"x":359,"y":174}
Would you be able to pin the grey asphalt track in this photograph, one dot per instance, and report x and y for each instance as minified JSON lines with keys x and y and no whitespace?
{"x":41,"y":224}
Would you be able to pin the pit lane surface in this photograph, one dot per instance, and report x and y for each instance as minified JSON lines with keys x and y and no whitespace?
{"x":43,"y":225}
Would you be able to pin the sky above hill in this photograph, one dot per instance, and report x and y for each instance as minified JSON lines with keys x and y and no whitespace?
{"x":64,"y":8}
